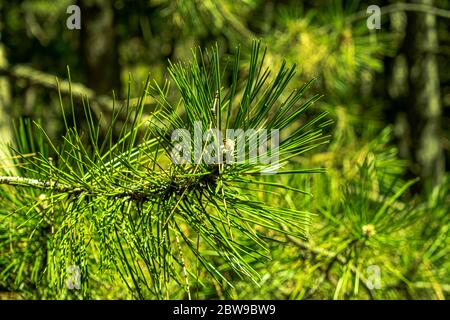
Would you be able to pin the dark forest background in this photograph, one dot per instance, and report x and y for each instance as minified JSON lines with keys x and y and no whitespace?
{"x":387,"y":90}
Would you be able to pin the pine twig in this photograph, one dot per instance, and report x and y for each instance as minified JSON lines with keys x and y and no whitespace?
{"x":102,"y":105}
{"x":35,"y":183}
{"x":47,"y":81}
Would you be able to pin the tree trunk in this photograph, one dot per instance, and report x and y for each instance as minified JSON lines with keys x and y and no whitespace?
{"x":99,"y":46}
{"x":5,"y":118}
{"x":424,"y":106}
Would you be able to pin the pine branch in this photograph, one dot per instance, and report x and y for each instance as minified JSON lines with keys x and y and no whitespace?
{"x":175,"y":185}
{"x":102,"y":105}
{"x":44,"y":80}
{"x":35,"y":183}
{"x":142,"y":207}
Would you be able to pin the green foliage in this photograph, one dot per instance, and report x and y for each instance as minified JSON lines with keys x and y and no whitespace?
{"x":122,"y":208}
{"x":97,"y":189}
{"x":366,"y":222}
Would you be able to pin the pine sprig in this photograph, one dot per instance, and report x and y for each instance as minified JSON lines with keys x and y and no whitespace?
{"x":126,"y":207}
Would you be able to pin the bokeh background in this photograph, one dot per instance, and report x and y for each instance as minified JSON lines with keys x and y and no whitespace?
{"x":387,"y":90}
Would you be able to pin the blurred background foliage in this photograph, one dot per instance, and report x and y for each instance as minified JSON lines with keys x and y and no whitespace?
{"x":387,"y":90}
